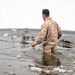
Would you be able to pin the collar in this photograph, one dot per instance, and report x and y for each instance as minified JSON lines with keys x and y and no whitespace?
{"x":48,"y":18}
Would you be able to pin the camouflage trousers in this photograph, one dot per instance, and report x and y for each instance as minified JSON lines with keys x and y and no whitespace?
{"x":48,"y":48}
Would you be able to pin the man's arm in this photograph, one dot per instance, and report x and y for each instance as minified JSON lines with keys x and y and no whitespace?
{"x":59,"y":31}
{"x":41,"y":36}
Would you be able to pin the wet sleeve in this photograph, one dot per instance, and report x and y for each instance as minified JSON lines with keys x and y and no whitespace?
{"x":42,"y":34}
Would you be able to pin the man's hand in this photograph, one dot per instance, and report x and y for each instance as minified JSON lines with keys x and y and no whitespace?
{"x":33,"y":45}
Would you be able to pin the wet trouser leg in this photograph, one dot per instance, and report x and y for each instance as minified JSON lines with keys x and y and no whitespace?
{"x":48,"y":48}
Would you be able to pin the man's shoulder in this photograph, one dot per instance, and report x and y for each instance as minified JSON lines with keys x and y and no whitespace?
{"x":47,"y":22}
{"x":54,"y":21}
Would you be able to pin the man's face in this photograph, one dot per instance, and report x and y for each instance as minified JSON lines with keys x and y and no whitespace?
{"x":43,"y":16}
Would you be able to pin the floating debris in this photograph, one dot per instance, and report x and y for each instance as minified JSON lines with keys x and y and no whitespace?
{"x":36,"y":69}
{"x":13,"y":37}
{"x":46,"y":71}
{"x":6,"y":34}
{"x":18,"y":56}
{"x":62,"y":70}
{"x":61,"y":66}
{"x":55,"y":69}
{"x":12,"y":73}
{"x":59,"y":70}
{"x":74,"y":62}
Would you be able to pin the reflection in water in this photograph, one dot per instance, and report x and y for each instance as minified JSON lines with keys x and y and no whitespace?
{"x":43,"y":73}
{"x":49,"y":60}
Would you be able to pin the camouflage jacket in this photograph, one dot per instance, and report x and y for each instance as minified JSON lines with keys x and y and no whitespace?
{"x":49,"y":33}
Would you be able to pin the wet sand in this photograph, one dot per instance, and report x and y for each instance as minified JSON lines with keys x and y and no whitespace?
{"x":17,"y":57}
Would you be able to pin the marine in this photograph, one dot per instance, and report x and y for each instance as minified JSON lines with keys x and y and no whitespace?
{"x":49,"y":33}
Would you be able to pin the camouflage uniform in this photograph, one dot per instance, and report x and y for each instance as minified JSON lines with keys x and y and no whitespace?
{"x":48,"y":35}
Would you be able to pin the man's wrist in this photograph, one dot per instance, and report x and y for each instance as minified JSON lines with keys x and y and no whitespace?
{"x":34,"y":43}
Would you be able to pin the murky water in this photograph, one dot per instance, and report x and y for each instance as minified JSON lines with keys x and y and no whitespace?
{"x":50,"y":60}
{"x":17,"y":57}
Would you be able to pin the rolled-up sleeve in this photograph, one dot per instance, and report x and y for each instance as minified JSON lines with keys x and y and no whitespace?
{"x":42,"y":34}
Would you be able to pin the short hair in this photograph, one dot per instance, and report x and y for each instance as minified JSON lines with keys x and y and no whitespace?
{"x":46,"y":12}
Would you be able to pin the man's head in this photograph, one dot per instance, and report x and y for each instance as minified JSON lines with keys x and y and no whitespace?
{"x":45,"y":13}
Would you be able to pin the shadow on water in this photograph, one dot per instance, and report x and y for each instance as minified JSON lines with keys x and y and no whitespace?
{"x":50,"y":60}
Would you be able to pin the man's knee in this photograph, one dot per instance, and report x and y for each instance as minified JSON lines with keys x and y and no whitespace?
{"x":49,"y":49}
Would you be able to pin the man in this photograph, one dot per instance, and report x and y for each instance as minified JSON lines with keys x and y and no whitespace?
{"x":49,"y":33}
